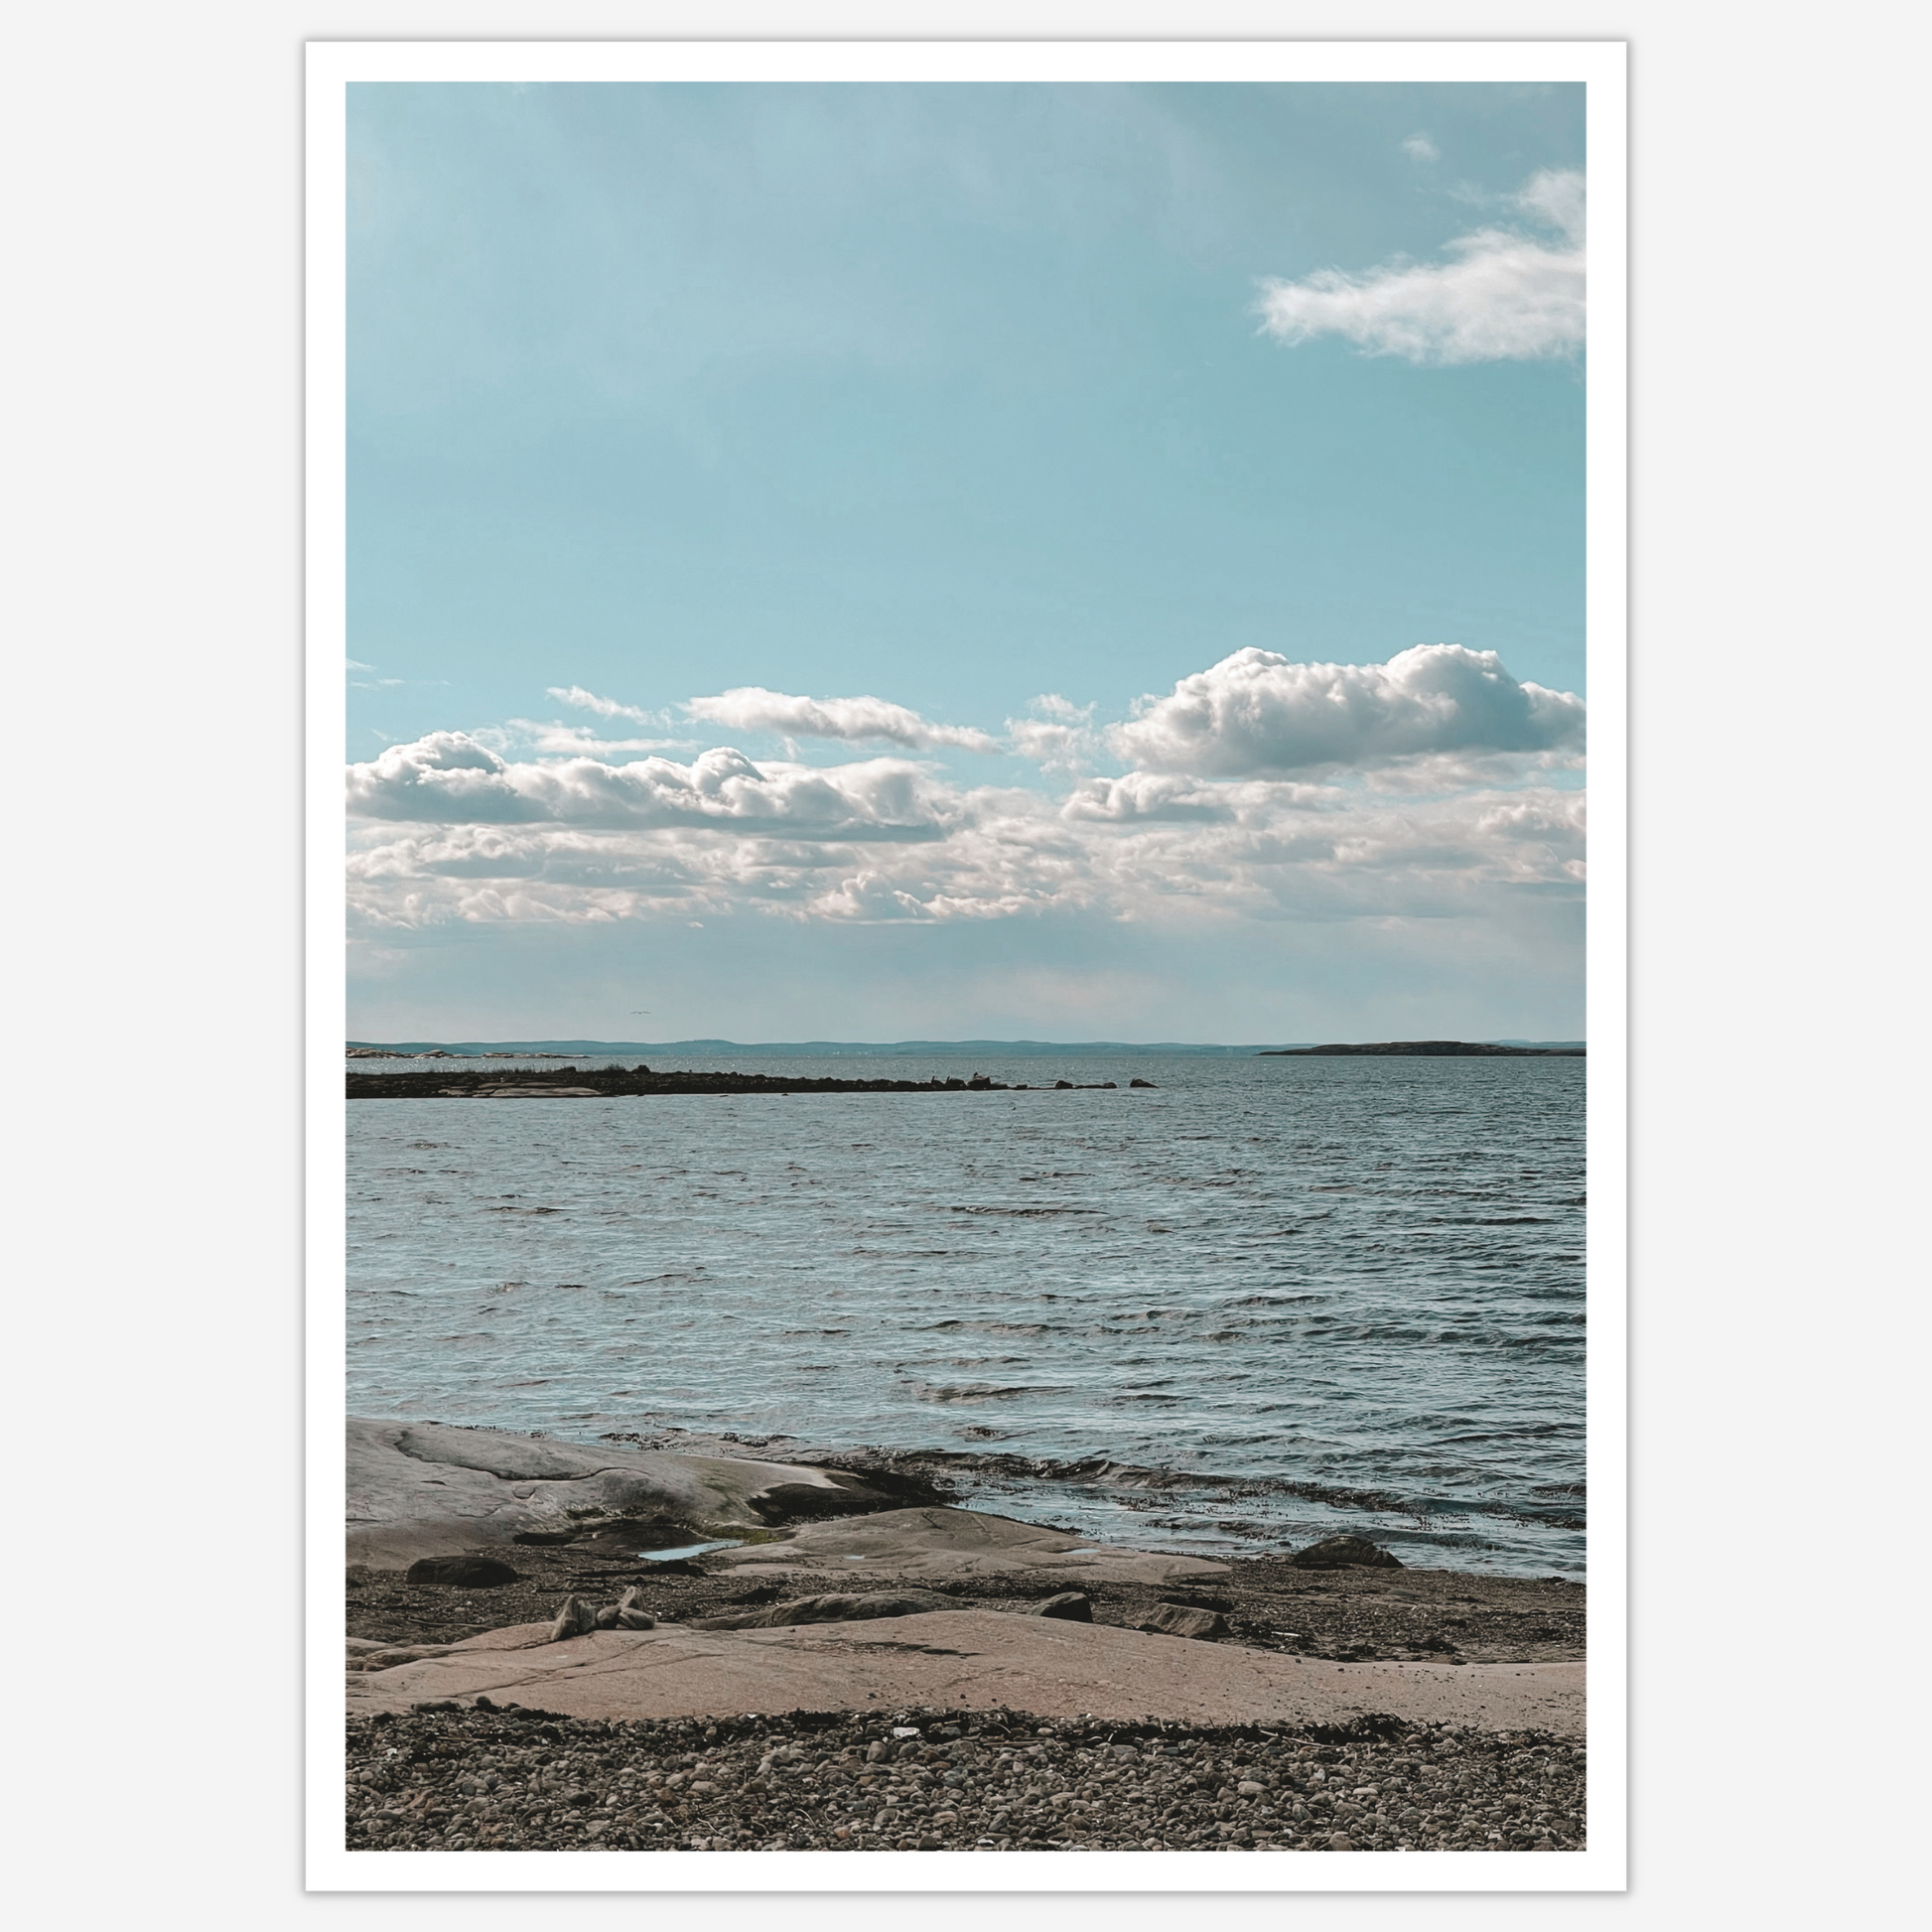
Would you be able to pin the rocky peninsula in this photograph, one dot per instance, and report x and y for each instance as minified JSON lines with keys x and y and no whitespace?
{"x":460,"y":1082}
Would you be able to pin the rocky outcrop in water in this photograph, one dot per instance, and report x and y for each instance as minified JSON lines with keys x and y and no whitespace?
{"x":1334,"y":1552}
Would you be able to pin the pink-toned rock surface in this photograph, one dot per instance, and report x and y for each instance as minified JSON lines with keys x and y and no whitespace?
{"x":971,"y":1659}
{"x":936,"y":1544}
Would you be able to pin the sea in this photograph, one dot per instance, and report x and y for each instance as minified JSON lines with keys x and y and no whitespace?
{"x":1255,"y":1303}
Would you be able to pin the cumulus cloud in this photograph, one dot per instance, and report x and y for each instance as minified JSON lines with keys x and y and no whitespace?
{"x":750,"y":708}
{"x":1419,"y":147}
{"x":1260,"y":789}
{"x":1502,"y":296}
{"x":448,"y":778}
{"x":1257,"y":712}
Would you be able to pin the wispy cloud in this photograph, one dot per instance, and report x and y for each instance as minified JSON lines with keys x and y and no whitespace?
{"x":860,"y":721}
{"x":1503,"y":295}
{"x":1059,"y":737}
{"x":579,"y":741}
{"x":1419,"y":147}
{"x":575,"y":694}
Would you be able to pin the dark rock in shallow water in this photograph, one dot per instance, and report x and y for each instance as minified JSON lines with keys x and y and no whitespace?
{"x":1334,"y":1552}
{"x":845,"y":1494}
{"x":461,"y":1573}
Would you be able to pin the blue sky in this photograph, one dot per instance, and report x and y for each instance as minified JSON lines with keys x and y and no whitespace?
{"x":1130,"y":540}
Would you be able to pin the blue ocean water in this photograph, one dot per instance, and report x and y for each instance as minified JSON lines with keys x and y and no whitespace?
{"x":1312,"y":1274}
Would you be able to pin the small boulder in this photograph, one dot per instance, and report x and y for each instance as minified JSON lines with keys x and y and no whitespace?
{"x":576,"y":1618}
{"x":1179,"y":1620}
{"x":1337,"y":1552}
{"x":1071,"y":1605}
{"x":460,"y":1573}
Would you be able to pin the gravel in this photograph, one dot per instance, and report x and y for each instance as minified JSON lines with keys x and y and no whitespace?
{"x":452,"y":1777}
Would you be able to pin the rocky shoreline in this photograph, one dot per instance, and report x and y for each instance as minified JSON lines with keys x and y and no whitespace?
{"x":1378,"y":1707}
{"x":1348,"y":1615}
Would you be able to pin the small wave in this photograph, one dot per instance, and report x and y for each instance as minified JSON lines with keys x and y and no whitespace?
{"x":1025,"y":1213}
{"x":974,"y":1392}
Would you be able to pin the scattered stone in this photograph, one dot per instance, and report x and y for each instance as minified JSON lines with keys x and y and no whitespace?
{"x":1181,"y":1620}
{"x":576,"y":1618}
{"x":631,"y":1614}
{"x":1073,"y":1605}
{"x":1334,"y":1552}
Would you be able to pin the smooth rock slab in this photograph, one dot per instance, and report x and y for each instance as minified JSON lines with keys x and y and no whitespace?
{"x":864,"y":1606}
{"x":423,"y":1489}
{"x":968,"y":1659}
{"x":938,"y":1544}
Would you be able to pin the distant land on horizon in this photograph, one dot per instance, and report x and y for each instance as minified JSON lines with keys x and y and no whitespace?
{"x":1430,"y":1050}
{"x":812,"y":1048}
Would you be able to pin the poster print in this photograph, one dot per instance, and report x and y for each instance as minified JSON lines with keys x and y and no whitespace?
{"x":952,"y":1240}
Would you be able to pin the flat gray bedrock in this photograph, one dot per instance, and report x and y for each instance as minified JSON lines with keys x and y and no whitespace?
{"x":427,"y":1489}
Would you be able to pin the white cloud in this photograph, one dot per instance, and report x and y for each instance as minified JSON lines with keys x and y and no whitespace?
{"x":1257,"y":712}
{"x":1262,"y":789}
{"x":750,"y":708}
{"x":1555,"y":197}
{"x":448,"y":778}
{"x":577,"y":740}
{"x":1060,"y":735}
{"x":1503,"y":296}
{"x":1419,"y":147}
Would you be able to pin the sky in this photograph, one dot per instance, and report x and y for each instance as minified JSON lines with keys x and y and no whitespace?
{"x":965,"y":561}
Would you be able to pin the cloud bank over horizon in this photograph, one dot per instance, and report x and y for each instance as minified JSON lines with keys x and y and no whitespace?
{"x":1257,"y":789}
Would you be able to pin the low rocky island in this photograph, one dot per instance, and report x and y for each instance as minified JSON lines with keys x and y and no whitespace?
{"x":1428,"y":1050}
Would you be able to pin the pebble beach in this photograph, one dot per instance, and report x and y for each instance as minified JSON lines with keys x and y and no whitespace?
{"x":483,"y":1778}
